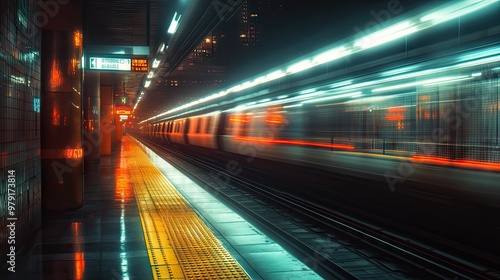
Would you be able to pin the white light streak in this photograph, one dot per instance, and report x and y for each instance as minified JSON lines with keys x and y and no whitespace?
{"x":174,"y":24}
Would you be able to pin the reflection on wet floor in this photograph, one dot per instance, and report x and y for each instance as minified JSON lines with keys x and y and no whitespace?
{"x":102,"y":240}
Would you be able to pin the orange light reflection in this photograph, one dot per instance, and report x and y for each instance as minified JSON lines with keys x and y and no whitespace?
{"x":55,"y":76}
{"x":457,"y":162}
{"x":123,"y":188}
{"x":56,"y":117}
{"x":245,"y":120}
{"x":79,"y":251}
{"x":395,"y":114}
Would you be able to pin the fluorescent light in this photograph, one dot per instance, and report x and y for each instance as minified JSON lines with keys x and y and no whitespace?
{"x":291,"y":106}
{"x":300,"y":66}
{"x":386,"y":35}
{"x":340,"y":84}
{"x":397,"y":71}
{"x":424,"y":82}
{"x":476,"y":62}
{"x":151,"y":74}
{"x":174,"y":24}
{"x":260,"y":80}
{"x":147,"y":83}
{"x":156,"y":63}
{"x":305,"y":91}
{"x":480,"y":54}
{"x":448,"y":81}
{"x":351,"y":94}
{"x":476,"y":74}
{"x":275,"y":75}
{"x":331,"y":55}
{"x":282,"y":96}
{"x":456,"y":10}
{"x":162,"y":47}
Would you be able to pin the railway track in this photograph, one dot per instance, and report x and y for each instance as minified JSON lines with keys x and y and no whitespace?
{"x":335,"y":244}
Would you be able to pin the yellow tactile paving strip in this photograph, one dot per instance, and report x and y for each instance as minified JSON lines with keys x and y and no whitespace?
{"x":179,"y":244}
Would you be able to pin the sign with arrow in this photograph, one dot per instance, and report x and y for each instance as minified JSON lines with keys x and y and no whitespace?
{"x":110,"y":64}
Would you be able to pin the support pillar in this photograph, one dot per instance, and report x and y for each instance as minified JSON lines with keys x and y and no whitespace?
{"x":106,"y":119}
{"x":61,"y":121}
{"x":91,"y":117}
{"x":118,"y":128}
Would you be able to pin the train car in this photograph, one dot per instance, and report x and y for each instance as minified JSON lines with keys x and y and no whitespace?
{"x":433,"y":130}
{"x":178,"y":130}
{"x":162,"y":135}
{"x":429,"y":127}
{"x":203,"y":130}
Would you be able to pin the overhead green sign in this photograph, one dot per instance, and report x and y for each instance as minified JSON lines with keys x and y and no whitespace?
{"x":107,"y":63}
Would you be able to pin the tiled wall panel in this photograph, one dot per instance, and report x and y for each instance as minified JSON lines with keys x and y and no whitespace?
{"x":20,"y":42}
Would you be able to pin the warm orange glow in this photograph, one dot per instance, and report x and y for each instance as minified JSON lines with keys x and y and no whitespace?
{"x":277,"y":121}
{"x":73,"y":153}
{"x":55,"y":76}
{"x":457,"y":162}
{"x":76,"y":153}
{"x":79,"y":250}
{"x":56,"y":117}
{"x":395,"y":117}
{"x":140,"y":64}
{"x":79,"y":265}
{"x":296,"y":142}
{"x":395,"y":114}
{"x":123,"y":112}
{"x":74,"y":65}
{"x":275,"y":116}
{"x":123,"y":188}
{"x":424,"y":98}
{"x":77,"y":38}
{"x":235,"y":119}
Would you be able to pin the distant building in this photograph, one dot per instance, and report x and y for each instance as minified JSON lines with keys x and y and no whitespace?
{"x":253,"y":17}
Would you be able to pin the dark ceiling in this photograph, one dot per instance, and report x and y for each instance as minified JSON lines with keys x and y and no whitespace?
{"x":144,"y":23}
{"x":125,"y":23}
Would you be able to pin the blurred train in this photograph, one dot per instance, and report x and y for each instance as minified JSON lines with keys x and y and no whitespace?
{"x":431,"y":126}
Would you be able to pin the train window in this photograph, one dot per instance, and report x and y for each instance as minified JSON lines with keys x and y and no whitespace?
{"x":198,"y":125}
{"x":208,"y":124}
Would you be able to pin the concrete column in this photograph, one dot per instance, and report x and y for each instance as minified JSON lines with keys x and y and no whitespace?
{"x":91,"y":117}
{"x":106,"y":119}
{"x":118,"y":128}
{"x":61,"y":121}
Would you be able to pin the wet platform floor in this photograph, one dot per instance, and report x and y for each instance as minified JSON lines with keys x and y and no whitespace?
{"x":136,"y":225}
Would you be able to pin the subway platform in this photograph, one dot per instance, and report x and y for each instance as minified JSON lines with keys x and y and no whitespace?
{"x":143,"y":219}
